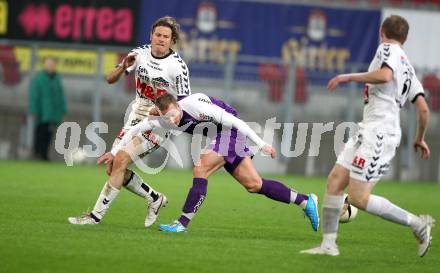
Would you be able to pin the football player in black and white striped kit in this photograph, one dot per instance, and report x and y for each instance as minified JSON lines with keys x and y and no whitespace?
{"x":158,"y":69}
{"x":390,"y":82}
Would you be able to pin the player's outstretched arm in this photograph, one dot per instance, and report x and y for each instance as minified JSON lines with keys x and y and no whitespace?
{"x":383,"y":75}
{"x":422,"y":125}
{"x":106,"y":158}
{"x":232,"y":121}
{"x":143,"y":126}
{"x":269,"y":150}
{"x":116,"y":73}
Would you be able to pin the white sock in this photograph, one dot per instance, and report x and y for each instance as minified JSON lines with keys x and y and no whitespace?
{"x":294,"y":196}
{"x":106,"y":197}
{"x":382,"y":207}
{"x":331,"y":212}
{"x":329,"y":239}
{"x":137,"y":186}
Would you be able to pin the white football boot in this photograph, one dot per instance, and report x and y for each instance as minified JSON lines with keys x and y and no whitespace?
{"x":323,"y":249}
{"x":153,"y":209}
{"x":423,"y":234}
{"x":85,"y":219}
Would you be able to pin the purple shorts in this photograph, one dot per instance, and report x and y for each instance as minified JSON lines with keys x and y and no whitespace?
{"x":232,"y":146}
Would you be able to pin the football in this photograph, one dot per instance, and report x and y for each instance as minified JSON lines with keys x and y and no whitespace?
{"x":79,"y":157}
{"x":349,"y":211}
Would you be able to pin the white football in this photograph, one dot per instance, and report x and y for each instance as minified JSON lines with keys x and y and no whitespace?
{"x":349,"y":211}
{"x":79,"y":156}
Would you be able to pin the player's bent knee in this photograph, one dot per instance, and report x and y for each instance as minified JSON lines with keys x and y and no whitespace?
{"x":252,"y":186}
{"x":127,"y":175}
{"x":200,"y":171}
{"x":333,"y":177}
{"x":359,"y":201}
{"x":121,"y":161}
{"x":335,"y":183}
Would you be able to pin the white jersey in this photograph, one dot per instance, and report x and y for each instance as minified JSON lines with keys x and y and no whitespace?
{"x":383,"y":101}
{"x":155,"y":76}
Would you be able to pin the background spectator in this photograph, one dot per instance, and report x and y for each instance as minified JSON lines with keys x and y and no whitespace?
{"x":47,"y":105}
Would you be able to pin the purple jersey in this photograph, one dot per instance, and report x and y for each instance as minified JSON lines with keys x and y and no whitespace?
{"x":213,"y":115}
{"x":202,"y":102}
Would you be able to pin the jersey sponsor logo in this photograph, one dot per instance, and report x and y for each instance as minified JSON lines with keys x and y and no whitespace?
{"x":154,"y":63}
{"x":205,"y":117}
{"x":179,"y":85}
{"x":182,"y":86}
{"x":142,"y":70}
{"x":142,"y":73}
{"x":403,"y":60}
{"x":151,"y":137}
{"x":148,"y":92}
{"x":160,"y":82}
{"x":155,"y":67}
{"x":205,"y":100}
{"x":358,"y":162}
{"x":135,"y":121}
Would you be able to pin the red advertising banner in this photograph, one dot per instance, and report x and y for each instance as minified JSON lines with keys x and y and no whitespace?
{"x":92,"y":22}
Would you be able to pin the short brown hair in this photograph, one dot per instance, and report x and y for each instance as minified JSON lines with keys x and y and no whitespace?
{"x":163,"y":101}
{"x":49,"y":57}
{"x":395,"y":27}
{"x":170,"y":22}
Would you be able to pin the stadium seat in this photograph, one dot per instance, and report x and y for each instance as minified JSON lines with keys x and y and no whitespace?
{"x":275,"y":76}
{"x":10,"y":67}
{"x":431,"y":82}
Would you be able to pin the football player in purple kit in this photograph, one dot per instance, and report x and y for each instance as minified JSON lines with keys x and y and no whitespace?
{"x":228,"y":149}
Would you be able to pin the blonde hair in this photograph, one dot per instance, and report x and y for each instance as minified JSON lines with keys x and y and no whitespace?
{"x":163,"y":101}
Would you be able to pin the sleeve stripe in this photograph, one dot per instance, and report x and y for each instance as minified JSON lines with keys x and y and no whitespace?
{"x":416,"y":96}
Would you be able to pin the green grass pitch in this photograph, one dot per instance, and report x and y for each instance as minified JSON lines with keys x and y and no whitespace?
{"x":234,"y":231}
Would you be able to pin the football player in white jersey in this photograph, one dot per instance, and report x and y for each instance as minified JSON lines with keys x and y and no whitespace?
{"x":158,"y":69}
{"x":390,"y":82}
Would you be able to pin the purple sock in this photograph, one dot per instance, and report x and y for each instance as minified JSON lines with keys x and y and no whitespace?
{"x":194,"y":200}
{"x":184,"y":221}
{"x":275,"y":190}
{"x":300,"y":198}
